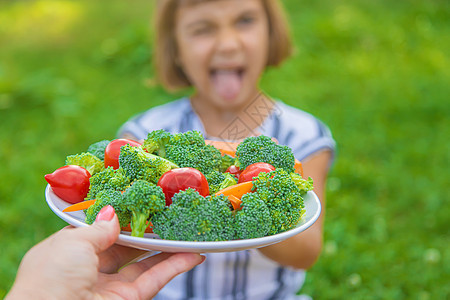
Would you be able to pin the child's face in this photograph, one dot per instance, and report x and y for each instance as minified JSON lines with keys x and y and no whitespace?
{"x":222,"y":48}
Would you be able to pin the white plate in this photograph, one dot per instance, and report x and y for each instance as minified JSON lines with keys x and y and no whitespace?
{"x":153,"y":242}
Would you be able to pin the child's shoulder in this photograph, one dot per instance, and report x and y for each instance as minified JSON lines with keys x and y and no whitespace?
{"x":298,"y":121}
{"x":300,"y":130}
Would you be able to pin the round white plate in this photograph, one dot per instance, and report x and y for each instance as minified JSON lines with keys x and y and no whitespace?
{"x":153,"y":242}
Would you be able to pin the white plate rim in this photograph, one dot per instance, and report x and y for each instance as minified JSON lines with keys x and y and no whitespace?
{"x":154,"y":243}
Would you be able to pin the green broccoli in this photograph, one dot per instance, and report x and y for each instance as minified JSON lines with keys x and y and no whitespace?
{"x":263,"y":149}
{"x":113,"y":198}
{"x":143,"y":199}
{"x":186,"y":149}
{"x":86,"y":160}
{"x":253,"y":220}
{"x":98,"y":149}
{"x":304,"y":185}
{"x":192,"y":217}
{"x":156,"y":142}
{"x":218,"y":181}
{"x":283,"y":198}
{"x":227,"y":161}
{"x":141,"y":165}
{"x":108,"y":179}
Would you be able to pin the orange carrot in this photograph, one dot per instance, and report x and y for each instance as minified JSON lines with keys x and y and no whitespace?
{"x":235,"y":201}
{"x":237,"y":190}
{"x":224,"y":147}
{"x":298,"y":167}
{"x":79,"y":206}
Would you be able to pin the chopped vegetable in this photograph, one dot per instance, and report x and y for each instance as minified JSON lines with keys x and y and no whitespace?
{"x":237,"y":190}
{"x":141,"y":165}
{"x":70,"y":183}
{"x":264,"y":149}
{"x":86,"y":160}
{"x":112,"y":151}
{"x":98,"y":149}
{"x":253,"y":220}
{"x":283,"y":198}
{"x":235,"y":201}
{"x":143,"y":200}
{"x":192,"y":217}
{"x":298,"y":167}
{"x":108,"y":179}
{"x":187,"y":149}
{"x":253,"y":170}
{"x":113,"y":198}
{"x":181,"y":179}
{"x":79,"y":206}
{"x":218,"y":181}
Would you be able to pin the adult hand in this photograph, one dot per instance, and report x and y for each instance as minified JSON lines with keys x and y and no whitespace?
{"x":84,"y":263}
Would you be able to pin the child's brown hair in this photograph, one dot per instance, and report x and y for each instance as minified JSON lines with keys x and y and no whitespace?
{"x":172,"y":76}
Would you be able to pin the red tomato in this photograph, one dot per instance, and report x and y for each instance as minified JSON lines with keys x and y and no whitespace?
{"x":233,"y":170}
{"x":180,"y":179}
{"x":253,"y":170}
{"x":70,"y":183}
{"x":112,"y":151}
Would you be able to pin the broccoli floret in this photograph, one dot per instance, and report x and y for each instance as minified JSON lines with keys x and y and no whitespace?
{"x":143,"y":199}
{"x":227,"y":161}
{"x":218,"y":181}
{"x":187,"y":149}
{"x":113,"y":198}
{"x":304,"y":185}
{"x":263,"y":149}
{"x":156,"y":142}
{"x":191,"y":137}
{"x":253,"y":220}
{"x":86,"y":160}
{"x":203,"y":158}
{"x":283,"y":198}
{"x":141,"y":165}
{"x":98,"y":149}
{"x":192,"y":217}
{"x":108,"y":179}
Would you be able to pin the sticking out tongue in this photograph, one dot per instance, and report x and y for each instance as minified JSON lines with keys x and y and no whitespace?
{"x":227,"y":83}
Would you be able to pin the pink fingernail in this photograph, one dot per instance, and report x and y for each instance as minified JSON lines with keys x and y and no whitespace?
{"x":105,"y":214}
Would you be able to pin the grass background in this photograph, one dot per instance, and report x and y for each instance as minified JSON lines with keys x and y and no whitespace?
{"x":377,"y":72}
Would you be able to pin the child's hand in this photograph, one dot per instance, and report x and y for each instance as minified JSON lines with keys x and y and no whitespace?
{"x":84,"y":263}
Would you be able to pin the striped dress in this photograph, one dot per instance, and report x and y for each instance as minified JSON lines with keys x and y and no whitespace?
{"x":243,"y":274}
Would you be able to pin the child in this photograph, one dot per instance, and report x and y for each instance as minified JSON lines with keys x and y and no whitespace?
{"x":221,"y":48}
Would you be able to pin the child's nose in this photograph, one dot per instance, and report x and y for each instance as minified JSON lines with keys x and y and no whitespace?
{"x":228,"y":41}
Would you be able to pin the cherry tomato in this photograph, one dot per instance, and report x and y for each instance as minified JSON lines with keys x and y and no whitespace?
{"x":234,"y":170}
{"x":180,"y":179}
{"x":253,"y":170}
{"x":70,"y":183}
{"x":112,"y":151}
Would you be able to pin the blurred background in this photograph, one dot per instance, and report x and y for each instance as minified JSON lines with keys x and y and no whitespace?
{"x":377,"y":72}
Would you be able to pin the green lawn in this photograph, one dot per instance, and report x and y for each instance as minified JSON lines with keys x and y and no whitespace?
{"x":377,"y":72}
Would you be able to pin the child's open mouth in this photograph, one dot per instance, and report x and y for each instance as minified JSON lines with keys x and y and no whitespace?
{"x":227,"y":82}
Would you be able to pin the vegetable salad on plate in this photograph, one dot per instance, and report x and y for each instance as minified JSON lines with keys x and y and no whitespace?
{"x":183,"y":187}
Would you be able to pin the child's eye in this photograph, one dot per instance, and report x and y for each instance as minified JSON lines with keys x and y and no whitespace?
{"x":202,"y":30}
{"x":246,"y":20}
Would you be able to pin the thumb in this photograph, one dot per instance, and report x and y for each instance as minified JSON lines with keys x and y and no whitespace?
{"x":104,"y":232}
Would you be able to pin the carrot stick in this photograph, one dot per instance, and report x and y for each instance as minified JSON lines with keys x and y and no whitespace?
{"x":79,"y":206}
{"x":224,"y":147}
{"x":298,"y":167}
{"x":235,"y":201}
{"x":237,"y":190}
